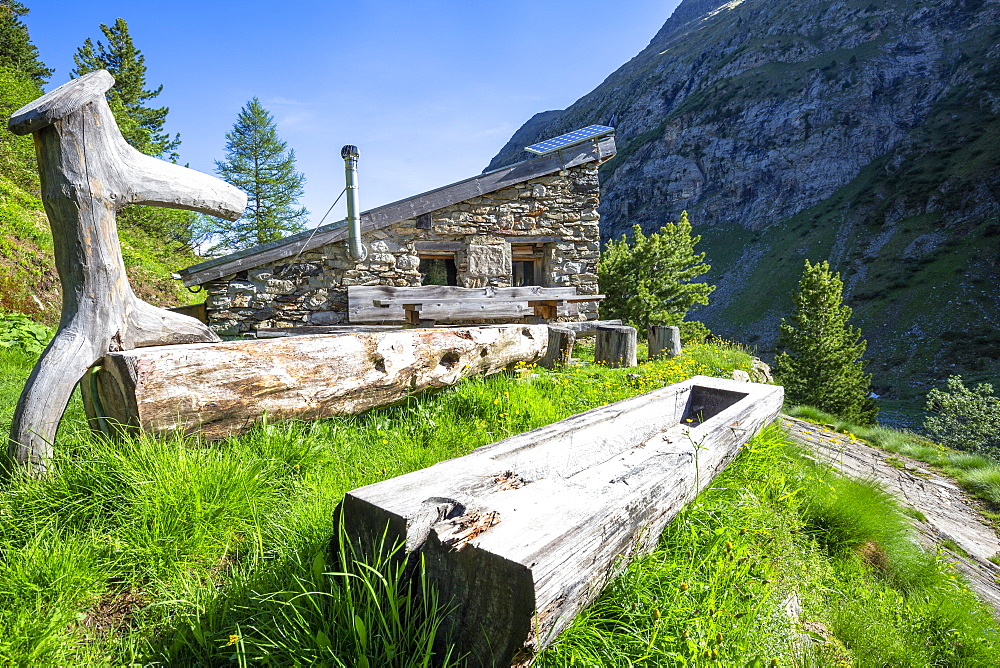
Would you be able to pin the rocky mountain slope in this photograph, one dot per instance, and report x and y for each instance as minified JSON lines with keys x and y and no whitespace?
{"x":860,"y":132}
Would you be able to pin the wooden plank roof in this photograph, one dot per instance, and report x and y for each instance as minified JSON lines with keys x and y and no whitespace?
{"x":395,"y":212}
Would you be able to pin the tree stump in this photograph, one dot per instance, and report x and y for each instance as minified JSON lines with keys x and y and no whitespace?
{"x":615,"y":346}
{"x":521,"y":535}
{"x":560,"y":348}
{"x":664,"y":341}
{"x":88,"y":172}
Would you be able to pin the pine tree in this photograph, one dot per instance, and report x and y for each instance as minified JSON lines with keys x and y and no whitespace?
{"x":649,"y":282}
{"x":820,"y":363}
{"x":16,"y":49}
{"x":261,"y":165}
{"x":141,"y":125}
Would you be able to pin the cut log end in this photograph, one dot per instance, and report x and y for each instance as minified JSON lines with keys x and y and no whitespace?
{"x":615,"y":346}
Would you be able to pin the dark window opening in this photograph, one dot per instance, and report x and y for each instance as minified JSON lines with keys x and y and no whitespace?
{"x":438,"y":271}
{"x":525,"y":272}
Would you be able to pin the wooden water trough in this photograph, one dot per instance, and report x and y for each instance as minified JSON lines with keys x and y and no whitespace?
{"x":522,"y":534}
{"x":220,"y":389}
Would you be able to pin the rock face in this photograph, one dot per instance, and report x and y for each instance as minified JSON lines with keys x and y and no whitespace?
{"x":864,"y":133}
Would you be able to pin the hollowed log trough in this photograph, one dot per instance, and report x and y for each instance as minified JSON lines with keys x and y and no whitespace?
{"x":520,"y":535}
{"x":220,"y":389}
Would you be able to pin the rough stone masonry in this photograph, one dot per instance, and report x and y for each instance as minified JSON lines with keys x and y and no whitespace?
{"x":549,"y":222}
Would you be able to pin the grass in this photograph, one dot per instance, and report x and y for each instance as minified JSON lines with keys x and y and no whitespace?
{"x":163,"y":550}
{"x":775,"y":531}
{"x":174,"y":552}
{"x":978,"y":475}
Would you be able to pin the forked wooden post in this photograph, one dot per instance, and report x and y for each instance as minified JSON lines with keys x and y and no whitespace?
{"x":88,"y":172}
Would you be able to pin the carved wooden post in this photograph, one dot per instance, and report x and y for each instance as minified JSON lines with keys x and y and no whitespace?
{"x":664,"y":340}
{"x":560,"y":347}
{"x":88,"y":172}
{"x":615,"y":346}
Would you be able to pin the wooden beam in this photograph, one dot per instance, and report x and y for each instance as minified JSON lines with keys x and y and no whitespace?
{"x":438,"y":246}
{"x":398,"y":211}
{"x":221,"y":389}
{"x":588,"y":328}
{"x":304,"y":330}
{"x":521,"y":535}
{"x":361,"y":300}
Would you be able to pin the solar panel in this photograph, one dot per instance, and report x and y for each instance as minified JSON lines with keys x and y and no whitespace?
{"x":569,"y":139}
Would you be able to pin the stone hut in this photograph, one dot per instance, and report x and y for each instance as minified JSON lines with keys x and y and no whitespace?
{"x":532,"y":223}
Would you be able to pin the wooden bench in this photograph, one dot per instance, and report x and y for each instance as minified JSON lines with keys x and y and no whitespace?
{"x":429,"y":304}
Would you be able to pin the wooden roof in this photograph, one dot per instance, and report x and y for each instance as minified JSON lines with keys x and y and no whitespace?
{"x":395,"y":212}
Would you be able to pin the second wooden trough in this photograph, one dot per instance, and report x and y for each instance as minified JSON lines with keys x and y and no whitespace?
{"x":522,"y":534}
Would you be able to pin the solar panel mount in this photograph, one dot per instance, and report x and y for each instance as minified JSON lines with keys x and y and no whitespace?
{"x":569,"y":139}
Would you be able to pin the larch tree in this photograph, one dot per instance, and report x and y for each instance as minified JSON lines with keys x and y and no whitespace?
{"x":261,"y":165}
{"x":650,"y":281}
{"x":820,"y":360}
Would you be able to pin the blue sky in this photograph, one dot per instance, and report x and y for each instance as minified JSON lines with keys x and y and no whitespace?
{"x":429,"y":91}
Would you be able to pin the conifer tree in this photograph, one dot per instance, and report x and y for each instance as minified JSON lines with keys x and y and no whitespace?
{"x":650,"y":281}
{"x":820,"y":363}
{"x":141,"y":125}
{"x":22,"y":75}
{"x":261,"y":165}
{"x":16,"y":49}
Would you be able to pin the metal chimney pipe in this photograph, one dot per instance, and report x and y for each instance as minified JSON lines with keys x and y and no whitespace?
{"x":355,"y":248}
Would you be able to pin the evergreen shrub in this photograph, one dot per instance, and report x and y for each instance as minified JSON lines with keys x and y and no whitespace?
{"x":965,"y":418}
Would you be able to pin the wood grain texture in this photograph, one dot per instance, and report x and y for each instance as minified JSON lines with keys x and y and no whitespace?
{"x":615,"y":346}
{"x":361,"y":299}
{"x":524,"y":533}
{"x":223,"y":388}
{"x":60,"y":102}
{"x":560,"y":348}
{"x":588,"y":328}
{"x":395,"y":212}
{"x":88,"y":172}
{"x":664,"y":341}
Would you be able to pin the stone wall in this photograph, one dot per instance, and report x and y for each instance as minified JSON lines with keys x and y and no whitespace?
{"x":311,"y":289}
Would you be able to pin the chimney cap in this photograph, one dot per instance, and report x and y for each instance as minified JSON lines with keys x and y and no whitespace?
{"x":349,"y":151}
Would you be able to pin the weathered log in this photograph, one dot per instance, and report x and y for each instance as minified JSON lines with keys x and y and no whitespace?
{"x":522,"y":534}
{"x":664,"y":341}
{"x":88,"y":172}
{"x":222,"y":388}
{"x":560,"y":348}
{"x":615,"y":346}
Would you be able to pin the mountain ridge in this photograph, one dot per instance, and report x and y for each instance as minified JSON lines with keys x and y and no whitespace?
{"x":862,"y":133}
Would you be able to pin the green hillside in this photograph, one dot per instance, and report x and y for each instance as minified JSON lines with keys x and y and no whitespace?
{"x":28,"y":281}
